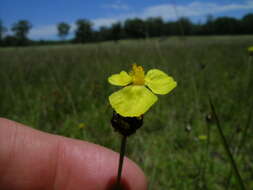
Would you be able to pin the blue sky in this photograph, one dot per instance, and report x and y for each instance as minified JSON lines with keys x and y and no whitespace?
{"x":45,"y":14}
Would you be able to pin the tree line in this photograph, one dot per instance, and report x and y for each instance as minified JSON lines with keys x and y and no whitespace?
{"x":134,"y":28}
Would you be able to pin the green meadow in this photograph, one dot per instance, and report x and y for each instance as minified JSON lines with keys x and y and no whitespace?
{"x":64,"y":90}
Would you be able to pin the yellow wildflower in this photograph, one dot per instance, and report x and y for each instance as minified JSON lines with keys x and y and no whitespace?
{"x":81,"y":125}
{"x":250,"y":49}
{"x":138,"y":95}
{"x":202,"y":137}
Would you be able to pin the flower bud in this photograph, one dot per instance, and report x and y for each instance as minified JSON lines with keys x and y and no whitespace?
{"x":126,"y":125}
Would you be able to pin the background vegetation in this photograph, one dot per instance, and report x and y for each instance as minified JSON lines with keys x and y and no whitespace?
{"x":134,"y":28}
{"x":64,"y":90}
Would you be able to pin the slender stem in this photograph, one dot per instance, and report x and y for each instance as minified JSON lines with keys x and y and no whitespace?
{"x":121,"y":159}
{"x":225,"y":144}
{"x":249,"y":118}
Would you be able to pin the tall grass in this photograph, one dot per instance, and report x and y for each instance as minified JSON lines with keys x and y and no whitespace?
{"x":56,"y":88}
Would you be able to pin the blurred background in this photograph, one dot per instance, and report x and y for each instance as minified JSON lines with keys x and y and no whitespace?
{"x":56,"y":56}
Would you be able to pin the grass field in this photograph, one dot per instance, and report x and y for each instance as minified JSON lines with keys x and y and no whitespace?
{"x":64,"y":90}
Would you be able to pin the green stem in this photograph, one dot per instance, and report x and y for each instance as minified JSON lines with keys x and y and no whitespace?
{"x":121,"y":159}
{"x":225,"y":144}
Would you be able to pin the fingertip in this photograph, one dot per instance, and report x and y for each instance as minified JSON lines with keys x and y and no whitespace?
{"x":65,"y":163}
{"x":101,"y":164}
{"x":132,"y":177}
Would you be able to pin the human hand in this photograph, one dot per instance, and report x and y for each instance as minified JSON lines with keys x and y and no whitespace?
{"x":34,"y":160}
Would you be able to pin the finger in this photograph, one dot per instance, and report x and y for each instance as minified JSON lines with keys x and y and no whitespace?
{"x":30,"y":159}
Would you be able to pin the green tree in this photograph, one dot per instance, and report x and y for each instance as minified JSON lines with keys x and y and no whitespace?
{"x":20,"y":30}
{"x":247,"y":23}
{"x":208,"y":27}
{"x":63,"y":29}
{"x":226,"y":25}
{"x":135,"y":28}
{"x":2,"y":31}
{"x":104,"y":33}
{"x":185,"y":26}
{"x":116,"y":31}
{"x":154,"y":26}
{"x":9,"y":40}
{"x":84,"y":31}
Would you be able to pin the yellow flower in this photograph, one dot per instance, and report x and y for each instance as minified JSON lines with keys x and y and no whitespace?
{"x":250,"y":49}
{"x":202,"y":137}
{"x":81,"y":125}
{"x":138,"y":94}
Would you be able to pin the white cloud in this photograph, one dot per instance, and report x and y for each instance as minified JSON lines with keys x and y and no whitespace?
{"x":169,"y":11}
{"x":250,"y":2}
{"x":50,"y":31}
{"x":166,"y":11}
{"x":43,"y":31}
{"x":104,"y":21}
{"x":118,"y":5}
{"x":194,"y":9}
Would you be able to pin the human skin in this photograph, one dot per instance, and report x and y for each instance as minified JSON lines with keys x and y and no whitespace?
{"x":35,"y":160}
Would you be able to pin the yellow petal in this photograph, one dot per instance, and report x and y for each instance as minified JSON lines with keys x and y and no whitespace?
{"x":121,"y":79}
{"x":159,"y":82}
{"x":132,"y":101}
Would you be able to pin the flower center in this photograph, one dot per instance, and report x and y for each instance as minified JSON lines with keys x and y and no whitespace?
{"x":138,"y":75}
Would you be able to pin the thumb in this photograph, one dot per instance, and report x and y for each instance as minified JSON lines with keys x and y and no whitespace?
{"x":30,"y":159}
